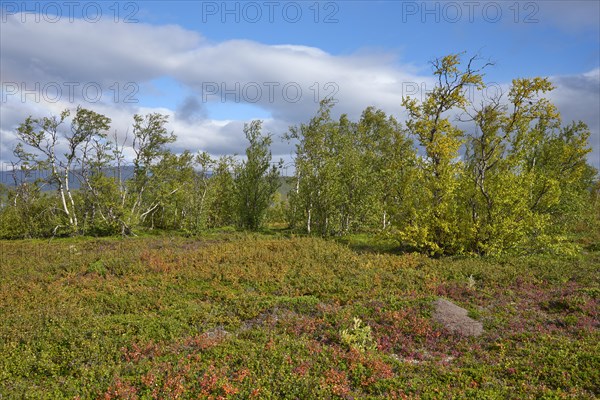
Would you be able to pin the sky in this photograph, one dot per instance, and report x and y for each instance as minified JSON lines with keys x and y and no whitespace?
{"x":211,"y":66}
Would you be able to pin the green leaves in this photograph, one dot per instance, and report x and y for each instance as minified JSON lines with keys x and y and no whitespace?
{"x":350,"y":176}
{"x":522,"y":169}
{"x":256,"y":181}
{"x":509,"y":178}
{"x":358,"y":337}
{"x":523,"y":178}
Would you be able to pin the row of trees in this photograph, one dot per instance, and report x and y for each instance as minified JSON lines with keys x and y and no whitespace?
{"x":505,"y":175}
{"x":521,"y":182}
{"x":164,"y":190}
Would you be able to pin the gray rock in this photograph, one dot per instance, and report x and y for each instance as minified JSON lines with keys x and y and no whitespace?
{"x":218,"y":333}
{"x":455,"y":319}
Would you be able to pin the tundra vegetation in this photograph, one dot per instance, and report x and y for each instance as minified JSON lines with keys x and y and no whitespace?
{"x":246,"y":315}
{"x":130,"y":271}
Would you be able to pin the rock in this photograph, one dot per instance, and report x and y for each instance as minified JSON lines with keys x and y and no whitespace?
{"x":269,"y":317}
{"x":455,"y":319}
{"x":218,"y":333}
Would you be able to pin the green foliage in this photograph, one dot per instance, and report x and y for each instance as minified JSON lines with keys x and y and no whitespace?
{"x":350,"y":176}
{"x":436,"y":227}
{"x":523,"y":184}
{"x":316,"y":186}
{"x":29,"y":213}
{"x":196,"y":196}
{"x":85,"y":157}
{"x":256,"y":181}
{"x":277,"y":212}
{"x":150,"y":137}
{"x":358,"y":336}
{"x":168,"y":193}
{"x":222,"y":204}
{"x":527,"y":178}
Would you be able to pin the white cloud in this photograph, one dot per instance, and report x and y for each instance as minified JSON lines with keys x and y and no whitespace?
{"x":578,"y":99}
{"x":90,"y":52}
{"x":110,"y":53}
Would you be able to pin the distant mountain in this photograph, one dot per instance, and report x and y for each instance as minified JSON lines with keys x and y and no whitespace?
{"x":7,"y":179}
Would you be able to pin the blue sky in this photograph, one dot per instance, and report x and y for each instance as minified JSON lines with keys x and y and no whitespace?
{"x":526,"y":38}
{"x":175,"y":52}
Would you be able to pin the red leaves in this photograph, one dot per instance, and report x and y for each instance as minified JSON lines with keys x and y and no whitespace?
{"x":337,"y":381}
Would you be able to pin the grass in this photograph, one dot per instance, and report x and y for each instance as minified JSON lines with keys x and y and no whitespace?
{"x":242,"y":316}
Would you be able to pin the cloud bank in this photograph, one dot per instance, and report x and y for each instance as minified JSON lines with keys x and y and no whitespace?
{"x":106,"y":66}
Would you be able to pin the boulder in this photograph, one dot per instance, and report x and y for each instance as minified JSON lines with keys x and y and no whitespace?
{"x":455,"y":318}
